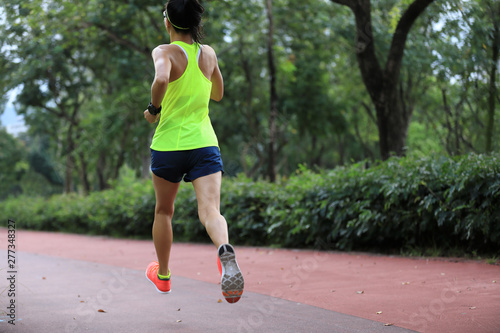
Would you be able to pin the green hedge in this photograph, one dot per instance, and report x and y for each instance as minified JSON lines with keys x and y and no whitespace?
{"x":399,"y":205}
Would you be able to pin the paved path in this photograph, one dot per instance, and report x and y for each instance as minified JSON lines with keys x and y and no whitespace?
{"x":63,"y":281}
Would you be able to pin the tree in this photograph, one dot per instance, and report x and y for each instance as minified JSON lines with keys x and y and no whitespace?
{"x":382,"y":83}
{"x":273,"y":112}
{"x":12,"y":163}
{"x":494,"y":14}
{"x":312,"y":102}
{"x":465,"y":70}
{"x":78,"y":88}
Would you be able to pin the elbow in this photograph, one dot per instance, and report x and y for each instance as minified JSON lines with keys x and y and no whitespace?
{"x":217,"y":98}
{"x":217,"y":94}
{"x":161,"y":81}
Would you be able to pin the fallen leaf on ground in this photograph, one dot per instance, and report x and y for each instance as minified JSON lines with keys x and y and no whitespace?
{"x":179,"y":321}
{"x":379,"y":312}
{"x":219,"y":301}
{"x":388,"y":324}
{"x":179,"y":309}
{"x":472,"y":307}
{"x":101,"y":310}
{"x":360,"y":292}
{"x":405,"y":283}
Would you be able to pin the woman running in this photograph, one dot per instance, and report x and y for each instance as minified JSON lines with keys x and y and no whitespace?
{"x":184,"y":144}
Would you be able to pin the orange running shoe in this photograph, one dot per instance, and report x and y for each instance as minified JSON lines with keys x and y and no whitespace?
{"x":232,"y":282}
{"x":219,"y":266}
{"x":163,"y":286}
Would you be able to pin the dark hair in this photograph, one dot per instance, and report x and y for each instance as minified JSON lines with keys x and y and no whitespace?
{"x":186,"y":14}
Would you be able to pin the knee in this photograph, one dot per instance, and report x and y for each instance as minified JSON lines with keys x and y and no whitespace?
{"x":205,"y":212}
{"x":166,"y":210}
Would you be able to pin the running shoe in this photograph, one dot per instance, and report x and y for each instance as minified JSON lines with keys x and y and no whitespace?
{"x":219,"y":266}
{"x":162,"y":286}
{"x":232,"y":282}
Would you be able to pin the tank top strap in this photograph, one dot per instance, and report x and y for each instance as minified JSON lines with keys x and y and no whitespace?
{"x":192,"y":51}
{"x":183,"y":50}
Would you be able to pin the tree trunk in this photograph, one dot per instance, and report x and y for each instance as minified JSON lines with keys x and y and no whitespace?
{"x":393,"y":119}
{"x":392,"y":122}
{"x":251,"y":117}
{"x":84,"y":174}
{"x":119,"y":163}
{"x":70,"y":161}
{"x":273,"y":96}
{"x":449,"y":118}
{"x":366,"y":149}
{"x":493,"y":74}
{"x":341,"y":149}
{"x":146,"y":160}
{"x":101,"y":167}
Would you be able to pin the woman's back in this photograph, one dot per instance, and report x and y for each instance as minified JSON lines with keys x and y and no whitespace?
{"x":184,"y":122}
{"x":207,"y":61}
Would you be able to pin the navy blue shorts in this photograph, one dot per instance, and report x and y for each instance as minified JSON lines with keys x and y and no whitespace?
{"x":190,"y":164}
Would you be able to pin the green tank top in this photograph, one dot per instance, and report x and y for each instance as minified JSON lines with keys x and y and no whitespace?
{"x":184,"y":121}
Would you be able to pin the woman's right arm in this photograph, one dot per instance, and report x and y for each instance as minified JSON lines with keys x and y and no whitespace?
{"x":217,"y":81}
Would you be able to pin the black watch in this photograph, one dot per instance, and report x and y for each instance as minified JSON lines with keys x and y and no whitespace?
{"x":153,"y":109}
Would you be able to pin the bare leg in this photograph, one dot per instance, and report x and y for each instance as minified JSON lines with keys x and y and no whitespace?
{"x":162,"y":227}
{"x":207,"y":190}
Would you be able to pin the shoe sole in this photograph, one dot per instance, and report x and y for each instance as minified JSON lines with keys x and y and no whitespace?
{"x":161,"y":292}
{"x":232,"y":282}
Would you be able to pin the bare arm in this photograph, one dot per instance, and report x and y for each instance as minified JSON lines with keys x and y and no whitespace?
{"x":217,"y":82}
{"x":162,"y":75}
{"x":160,"y":83}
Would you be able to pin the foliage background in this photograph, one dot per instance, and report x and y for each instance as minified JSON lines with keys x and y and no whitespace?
{"x":83,"y":71}
{"x":445,"y":206}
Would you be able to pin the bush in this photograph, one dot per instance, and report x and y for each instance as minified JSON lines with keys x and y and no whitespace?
{"x":444,"y":203}
{"x":399,"y":205}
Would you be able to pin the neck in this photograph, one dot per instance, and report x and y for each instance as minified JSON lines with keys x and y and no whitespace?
{"x":177,"y":37}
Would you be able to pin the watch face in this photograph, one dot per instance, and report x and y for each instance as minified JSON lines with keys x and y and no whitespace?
{"x":153,"y":110}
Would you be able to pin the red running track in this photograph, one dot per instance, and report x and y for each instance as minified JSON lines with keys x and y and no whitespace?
{"x":425,"y":295}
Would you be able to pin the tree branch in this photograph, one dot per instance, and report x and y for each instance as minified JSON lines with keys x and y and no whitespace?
{"x":348,"y":3}
{"x":358,"y":134}
{"x":118,"y":39}
{"x":369,"y":112}
{"x":396,"y":51}
{"x":371,"y":71}
{"x":51,"y":110}
{"x":155,"y":25}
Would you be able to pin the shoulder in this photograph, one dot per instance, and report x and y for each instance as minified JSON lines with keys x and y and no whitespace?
{"x":162,"y":49}
{"x":207,"y":49}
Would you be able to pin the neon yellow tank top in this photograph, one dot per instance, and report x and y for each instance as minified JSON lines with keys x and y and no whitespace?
{"x":184,"y":121}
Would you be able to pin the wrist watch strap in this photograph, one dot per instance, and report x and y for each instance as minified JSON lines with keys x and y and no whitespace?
{"x":153,"y":109}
